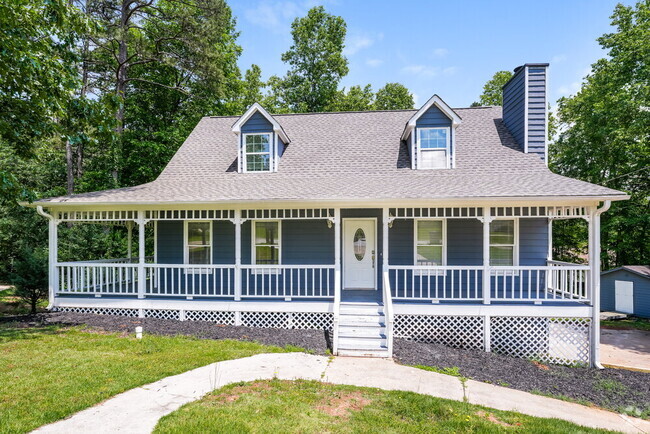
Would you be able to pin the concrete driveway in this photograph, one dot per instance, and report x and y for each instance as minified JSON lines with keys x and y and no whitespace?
{"x":625,"y":348}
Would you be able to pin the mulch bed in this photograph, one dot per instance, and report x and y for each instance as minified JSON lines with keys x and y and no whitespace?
{"x":615,"y":389}
{"x":314,"y":341}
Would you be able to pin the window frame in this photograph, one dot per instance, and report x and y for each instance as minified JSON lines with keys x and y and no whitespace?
{"x":186,"y":248}
{"x":444,"y":241}
{"x":515,"y":245}
{"x":270,"y":153}
{"x":254,"y":244}
{"x":447,"y":147}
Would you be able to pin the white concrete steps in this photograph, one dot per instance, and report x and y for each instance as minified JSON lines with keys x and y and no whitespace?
{"x":362,"y":330}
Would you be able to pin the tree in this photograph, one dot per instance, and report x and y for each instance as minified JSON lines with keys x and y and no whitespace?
{"x":252,"y":87}
{"x":37,"y":76}
{"x":493,"y":89}
{"x":355,"y":99}
{"x":30,"y":277}
{"x":393,"y":96}
{"x":604,"y":134}
{"x":316,"y":61}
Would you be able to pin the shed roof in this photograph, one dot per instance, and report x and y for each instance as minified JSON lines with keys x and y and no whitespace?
{"x":349,"y":156}
{"x":641,"y":270}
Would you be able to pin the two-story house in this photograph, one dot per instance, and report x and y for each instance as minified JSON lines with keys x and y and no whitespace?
{"x":432,"y":224}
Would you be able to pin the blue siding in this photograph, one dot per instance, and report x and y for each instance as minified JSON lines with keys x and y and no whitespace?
{"x":223,"y":247}
{"x":514,"y":96}
{"x":433,"y":117}
{"x":400,"y":242}
{"x":246,"y":241}
{"x":170,"y":242}
{"x":641,"y":291}
{"x":307,"y":242}
{"x":464,"y":242}
{"x":514,"y":108}
{"x":533,"y":241}
{"x":257,"y":124}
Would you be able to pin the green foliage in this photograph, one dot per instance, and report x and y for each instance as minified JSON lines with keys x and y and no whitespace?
{"x":492,"y":90}
{"x":393,"y":96}
{"x":604,"y":134}
{"x":355,"y":99}
{"x":316,"y":61}
{"x":30,"y":276}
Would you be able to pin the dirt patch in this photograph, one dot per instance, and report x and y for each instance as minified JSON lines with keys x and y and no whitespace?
{"x":541,"y":366}
{"x":255,"y":389}
{"x":343,"y":404}
{"x":492,"y":418}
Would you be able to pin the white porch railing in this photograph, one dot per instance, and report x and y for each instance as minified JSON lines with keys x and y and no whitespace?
{"x":555,"y":282}
{"x":388,"y":310}
{"x":287,"y":281}
{"x":97,"y":278}
{"x":189,"y":280}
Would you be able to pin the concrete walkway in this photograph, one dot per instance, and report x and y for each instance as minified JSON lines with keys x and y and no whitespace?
{"x":138,"y":410}
{"x":628,"y":349}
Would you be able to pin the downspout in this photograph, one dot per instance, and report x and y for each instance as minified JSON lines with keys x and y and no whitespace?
{"x":595,"y":281}
{"x":52,"y":254}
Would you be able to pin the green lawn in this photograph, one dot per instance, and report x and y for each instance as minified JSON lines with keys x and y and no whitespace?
{"x":48,"y":373}
{"x":310,"y":406}
{"x":627,"y":324}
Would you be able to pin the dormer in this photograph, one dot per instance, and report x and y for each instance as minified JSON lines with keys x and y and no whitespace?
{"x":261,"y":141}
{"x":430,"y":135}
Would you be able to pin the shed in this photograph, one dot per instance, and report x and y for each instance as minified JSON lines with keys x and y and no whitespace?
{"x":626,"y":289}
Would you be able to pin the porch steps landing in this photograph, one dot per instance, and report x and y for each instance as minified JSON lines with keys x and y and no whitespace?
{"x":362,"y":330}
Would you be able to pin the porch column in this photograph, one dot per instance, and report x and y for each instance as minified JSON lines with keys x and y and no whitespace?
{"x":141,"y":254}
{"x":487,"y":219}
{"x":384,"y":248}
{"x":337,"y":253}
{"x":237,"y":222}
{"x":129,"y":239}
{"x":53,"y":246}
{"x":594,"y":283}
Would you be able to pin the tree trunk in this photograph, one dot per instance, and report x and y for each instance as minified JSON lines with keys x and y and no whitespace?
{"x":120,"y":84}
{"x":33,"y":302}
{"x":69,"y":167}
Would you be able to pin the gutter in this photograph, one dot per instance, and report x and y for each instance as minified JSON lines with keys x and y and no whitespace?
{"x":52,"y":254}
{"x":596,"y":289}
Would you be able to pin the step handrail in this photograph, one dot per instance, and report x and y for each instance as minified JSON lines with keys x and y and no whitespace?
{"x":388,"y":310}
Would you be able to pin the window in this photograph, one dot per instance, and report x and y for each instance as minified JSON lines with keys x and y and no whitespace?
{"x":257,"y":152}
{"x":503,"y":242}
{"x":430,"y":242}
{"x":266,"y":242}
{"x":198,"y":242}
{"x":433,"y":148}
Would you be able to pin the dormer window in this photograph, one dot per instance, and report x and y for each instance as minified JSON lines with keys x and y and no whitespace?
{"x":257,"y":152}
{"x":433,"y":148}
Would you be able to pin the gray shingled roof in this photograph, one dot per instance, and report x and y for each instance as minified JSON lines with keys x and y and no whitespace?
{"x":641,"y":270}
{"x":350,"y":156}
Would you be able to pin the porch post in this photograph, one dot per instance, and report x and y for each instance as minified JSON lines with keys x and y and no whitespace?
{"x":237,"y":222}
{"x":141,"y":254}
{"x":487,"y":219}
{"x":129,"y":239}
{"x":337,"y":279}
{"x":594,"y":283}
{"x":53,"y":241}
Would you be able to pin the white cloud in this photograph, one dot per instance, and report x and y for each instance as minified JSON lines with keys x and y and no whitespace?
{"x":421,"y":70}
{"x":416,"y":100}
{"x":440,"y":52}
{"x":449,"y":71}
{"x":277,"y":15}
{"x":357,"y":43}
{"x":559,"y":58}
{"x":373,"y":63}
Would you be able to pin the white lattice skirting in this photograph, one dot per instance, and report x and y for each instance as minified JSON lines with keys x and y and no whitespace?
{"x":285,"y":320}
{"x":551,"y":340}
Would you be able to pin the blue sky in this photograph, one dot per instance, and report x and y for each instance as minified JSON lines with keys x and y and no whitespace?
{"x":450,"y":48}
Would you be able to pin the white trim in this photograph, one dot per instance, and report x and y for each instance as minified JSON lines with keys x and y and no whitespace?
{"x":526,"y":108}
{"x":375,"y":267}
{"x":256,"y":107}
{"x":546,"y":115}
{"x":186,"y":251}
{"x":447,"y":148}
{"x":442,"y":106}
{"x":270,"y":153}
{"x":515,"y":246}
{"x":452,"y":148}
{"x":253,"y":245}
{"x":444,"y":238}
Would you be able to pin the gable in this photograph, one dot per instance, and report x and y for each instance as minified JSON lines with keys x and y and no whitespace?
{"x":257,"y":123}
{"x":433,"y":117}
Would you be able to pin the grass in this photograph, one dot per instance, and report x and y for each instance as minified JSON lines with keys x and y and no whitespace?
{"x":310,"y":406}
{"x":627,"y":324}
{"x":48,"y":373}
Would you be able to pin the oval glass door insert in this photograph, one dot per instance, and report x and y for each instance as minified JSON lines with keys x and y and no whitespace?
{"x":359,"y":244}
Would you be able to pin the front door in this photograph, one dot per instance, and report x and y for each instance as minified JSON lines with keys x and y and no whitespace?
{"x":359,"y":254}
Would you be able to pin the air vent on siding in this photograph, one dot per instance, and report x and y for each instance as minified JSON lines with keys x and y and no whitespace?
{"x":525,"y":106}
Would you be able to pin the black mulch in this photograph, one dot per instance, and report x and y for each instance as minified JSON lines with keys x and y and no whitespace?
{"x":314,"y":341}
{"x":616,"y":389}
